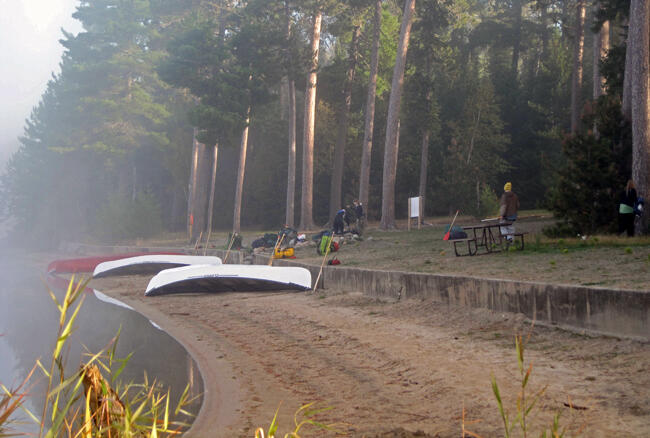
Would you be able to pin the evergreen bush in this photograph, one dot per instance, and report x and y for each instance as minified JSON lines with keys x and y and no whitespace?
{"x":126,"y":218}
{"x":596,"y":168}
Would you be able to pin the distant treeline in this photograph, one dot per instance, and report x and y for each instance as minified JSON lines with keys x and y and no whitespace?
{"x":123,"y":140}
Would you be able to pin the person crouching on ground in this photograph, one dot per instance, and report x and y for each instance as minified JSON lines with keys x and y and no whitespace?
{"x":627,"y":201}
{"x":509,"y":206}
{"x":338,"y":222}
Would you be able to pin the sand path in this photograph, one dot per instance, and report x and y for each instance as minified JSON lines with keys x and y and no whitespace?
{"x":388,"y":366}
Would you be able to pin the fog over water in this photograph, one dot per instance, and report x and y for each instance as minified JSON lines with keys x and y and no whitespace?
{"x":29,"y":320}
{"x":29,"y":52}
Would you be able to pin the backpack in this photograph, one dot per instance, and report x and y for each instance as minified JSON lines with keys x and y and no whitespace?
{"x":638,"y":207}
{"x":457,"y":233}
{"x":334,"y":261}
{"x":325,"y":241}
{"x":257,"y":243}
{"x":270,"y":240}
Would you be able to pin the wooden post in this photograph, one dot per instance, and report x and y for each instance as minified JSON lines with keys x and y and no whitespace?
{"x":408,"y":216}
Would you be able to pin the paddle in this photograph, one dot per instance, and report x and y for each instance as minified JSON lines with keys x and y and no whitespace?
{"x":452,"y":224}
{"x":232,"y":240}
{"x":327,"y":251}
{"x":198,"y":243}
{"x":207,"y":241}
{"x":275,"y":248}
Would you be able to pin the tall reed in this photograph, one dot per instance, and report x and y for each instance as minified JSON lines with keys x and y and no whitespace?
{"x":92,"y":402}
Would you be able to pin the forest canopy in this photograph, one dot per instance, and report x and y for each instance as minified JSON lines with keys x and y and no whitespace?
{"x":169,"y":114}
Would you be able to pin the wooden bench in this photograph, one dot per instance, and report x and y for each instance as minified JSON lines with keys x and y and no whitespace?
{"x":514,"y":238}
{"x":469,"y":241}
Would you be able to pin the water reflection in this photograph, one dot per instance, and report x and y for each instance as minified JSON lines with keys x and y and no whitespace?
{"x":28,"y":324}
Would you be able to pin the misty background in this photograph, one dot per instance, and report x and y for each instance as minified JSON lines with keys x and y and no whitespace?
{"x":29,"y":53}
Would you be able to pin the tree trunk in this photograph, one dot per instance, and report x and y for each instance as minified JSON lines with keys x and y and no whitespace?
{"x":578,"y":53}
{"x":426,"y":135}
{"x":424,"y":165}
{"x":200,"y":203}
{"x":343,"y":122}
{"x":601,"y":45}
{"x":213,"y":182}
{"x":134,"y":182}
{"x":364,"y":174}
{"x":516,"y":48}
{"x":191,"y":195}
{"x":639,"y":47}
{"x":626,"y":107}
{"x":291,"y":171}
{"x":392,"y":131}
{"x":236,"y":221}
{"x":291,"y":115}
{"x":307,"y":198}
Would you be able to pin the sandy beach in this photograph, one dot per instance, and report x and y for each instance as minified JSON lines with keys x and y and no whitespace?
{"x":403,"y":368}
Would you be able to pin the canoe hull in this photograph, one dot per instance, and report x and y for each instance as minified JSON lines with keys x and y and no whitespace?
{"x":150,"y":264}
{"x":88,"y":264}
{"x":229,"y":278}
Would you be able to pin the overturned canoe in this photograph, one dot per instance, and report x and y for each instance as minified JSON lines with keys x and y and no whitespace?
{"x":88,"y":264}
{"x":229,"y":278}
{"x":150,"y":264}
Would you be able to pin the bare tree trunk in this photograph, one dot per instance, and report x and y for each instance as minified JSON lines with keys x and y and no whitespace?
{"x":191,"y":194}
{"x":639,"y":48}
{"x":134,"y":183}
{"x":364,"y":175}
{"x":601,"y":45}
{"x":200,"y":203}
{"x":426,"y":135}
{"x":478,"y":195}
{"x":291,"y":171}
{"x":284,"y":98}
{"x":392,"y":131}
{"x":213,"y":182}
{"x":307,"y":198}
{"x":626,"y":107}
{"x":291,"y":114}
{"x":236,"y":221}
{"x":424,"y":165}
{"x":342,"y":135}
{"x":578,"y":54}
{"x":516,"y":48}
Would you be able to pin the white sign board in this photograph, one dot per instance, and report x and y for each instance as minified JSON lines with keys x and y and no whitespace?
{"x":415,"y":207}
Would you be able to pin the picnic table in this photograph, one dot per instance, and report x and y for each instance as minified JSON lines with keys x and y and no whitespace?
{"x":487,"y":237}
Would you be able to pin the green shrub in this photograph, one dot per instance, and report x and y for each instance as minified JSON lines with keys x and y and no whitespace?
{"x":595,"y":170}
{"x":489,"y":202}
{"x":560,"y":229}
{"x":125,"y":218}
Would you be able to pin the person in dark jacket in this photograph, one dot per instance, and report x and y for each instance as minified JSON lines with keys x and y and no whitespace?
{"x":339,"y":222}
{"x":627,"y":202}
{"x":509,"y":205}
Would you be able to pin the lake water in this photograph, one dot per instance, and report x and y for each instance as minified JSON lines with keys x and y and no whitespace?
{"x":28,"y":328}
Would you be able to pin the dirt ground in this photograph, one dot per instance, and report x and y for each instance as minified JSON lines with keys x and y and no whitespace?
{"x":409,"y":368}
{"x":400,"y":369}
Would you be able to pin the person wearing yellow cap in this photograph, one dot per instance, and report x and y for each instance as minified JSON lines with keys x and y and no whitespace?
{"x":509,"y":206}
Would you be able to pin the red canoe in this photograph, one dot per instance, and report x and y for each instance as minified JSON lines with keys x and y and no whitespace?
{"x":88,"y":264}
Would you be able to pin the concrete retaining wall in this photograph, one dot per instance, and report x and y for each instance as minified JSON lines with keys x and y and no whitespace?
{"x":608,"y":311}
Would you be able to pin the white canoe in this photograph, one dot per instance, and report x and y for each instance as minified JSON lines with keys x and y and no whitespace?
{"x":228,"y":278}
{"x":150,"y":264}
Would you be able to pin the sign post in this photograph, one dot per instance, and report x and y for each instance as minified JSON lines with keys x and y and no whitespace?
{"x":415,"y":211}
